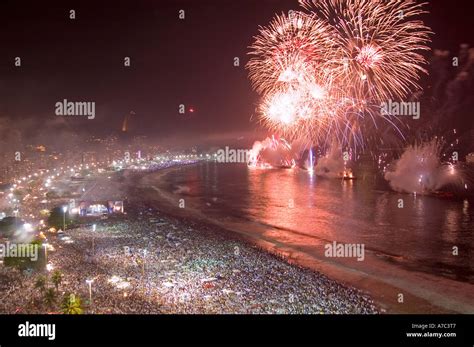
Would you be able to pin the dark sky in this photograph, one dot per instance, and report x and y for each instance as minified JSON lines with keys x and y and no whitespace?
{"x":173,"y":61}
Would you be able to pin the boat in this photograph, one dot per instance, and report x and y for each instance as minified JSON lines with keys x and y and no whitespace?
{"x":347,"y":175}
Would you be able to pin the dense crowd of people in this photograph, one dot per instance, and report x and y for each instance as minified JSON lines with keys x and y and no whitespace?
{"x":146,"y":262}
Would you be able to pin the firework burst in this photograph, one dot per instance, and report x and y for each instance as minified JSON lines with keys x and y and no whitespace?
{"x":379,"y":45}
{"x":321,"y":73}
{"x":292,"y":50}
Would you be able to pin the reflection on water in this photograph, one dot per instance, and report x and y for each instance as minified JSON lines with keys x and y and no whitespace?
{"x":303,"y":210}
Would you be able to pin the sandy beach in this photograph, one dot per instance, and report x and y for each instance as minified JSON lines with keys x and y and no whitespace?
{"x":186,"y":268}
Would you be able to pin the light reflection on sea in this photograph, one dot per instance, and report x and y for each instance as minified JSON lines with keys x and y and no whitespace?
{"x":298,"y":209}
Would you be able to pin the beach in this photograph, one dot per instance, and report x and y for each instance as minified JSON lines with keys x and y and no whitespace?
{"x":186,"y":268}
{"x":149,"y":261}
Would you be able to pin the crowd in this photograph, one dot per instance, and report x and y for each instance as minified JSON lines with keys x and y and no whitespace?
{"x":145,"y":262}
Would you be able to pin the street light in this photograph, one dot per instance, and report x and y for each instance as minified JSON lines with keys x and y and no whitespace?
{"x":89,"y":282}
{"x":94,"y":226}
{"x":64,"y":217}
{"x":144,"y":261}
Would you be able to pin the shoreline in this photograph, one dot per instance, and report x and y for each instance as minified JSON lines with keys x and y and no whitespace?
{"x":423,"y":293}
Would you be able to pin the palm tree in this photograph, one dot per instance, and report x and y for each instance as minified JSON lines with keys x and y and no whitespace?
{"x":40,"y":283}
{"x":71,"y":304}
{"x":57,"y":278}
{"x":50,"y":297}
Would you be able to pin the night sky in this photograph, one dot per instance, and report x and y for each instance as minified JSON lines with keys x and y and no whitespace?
{"x":172,"y":62}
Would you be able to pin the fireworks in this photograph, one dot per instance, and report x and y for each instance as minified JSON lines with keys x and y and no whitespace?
{"x":378,"y":44}
{"x":290,"y":67}
{"x":271,"y":153}
{"x":293,"y":50}
{"x":420,"y":169}
{"x":320,"y":73}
